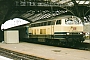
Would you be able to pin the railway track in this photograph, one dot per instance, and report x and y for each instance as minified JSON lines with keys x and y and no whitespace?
{"x":17,"y":55}
{"x":84,"y":46}
{"x":80,"y":46}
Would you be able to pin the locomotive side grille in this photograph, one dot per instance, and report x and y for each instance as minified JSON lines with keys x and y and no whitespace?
{"x":59,"y":35}
{"x":60,"y":32}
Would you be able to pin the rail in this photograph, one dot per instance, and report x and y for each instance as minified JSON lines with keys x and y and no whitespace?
{"x":17,"y":55}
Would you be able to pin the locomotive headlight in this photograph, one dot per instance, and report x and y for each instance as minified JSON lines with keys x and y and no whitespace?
{"x":81,"y":33}
{"x":68,"y":33}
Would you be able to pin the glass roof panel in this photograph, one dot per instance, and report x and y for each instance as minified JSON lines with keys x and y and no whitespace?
{"x":81,"y":2}
{"x":87,"y":2}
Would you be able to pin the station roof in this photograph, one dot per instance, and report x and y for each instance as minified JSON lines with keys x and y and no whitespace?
{"x":33,"y":13}
{"x":84,"y":2}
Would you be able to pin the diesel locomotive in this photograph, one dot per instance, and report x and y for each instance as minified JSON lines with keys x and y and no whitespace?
{"x":66,"y":28}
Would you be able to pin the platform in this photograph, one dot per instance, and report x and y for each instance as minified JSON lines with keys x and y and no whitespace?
{"x":49,"y":52}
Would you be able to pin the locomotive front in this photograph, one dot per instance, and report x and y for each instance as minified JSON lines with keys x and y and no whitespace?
{"x":70,"y":30}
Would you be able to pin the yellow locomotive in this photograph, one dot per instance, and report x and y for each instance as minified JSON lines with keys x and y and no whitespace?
{"x":66,"y":28}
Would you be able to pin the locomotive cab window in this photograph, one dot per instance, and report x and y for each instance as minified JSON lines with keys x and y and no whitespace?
{"x":68,"y":21}
{"x":72,"y":21}
{"x":58,"y":22}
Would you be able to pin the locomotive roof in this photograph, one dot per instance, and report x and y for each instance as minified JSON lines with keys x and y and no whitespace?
{"x":56,"y":18}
